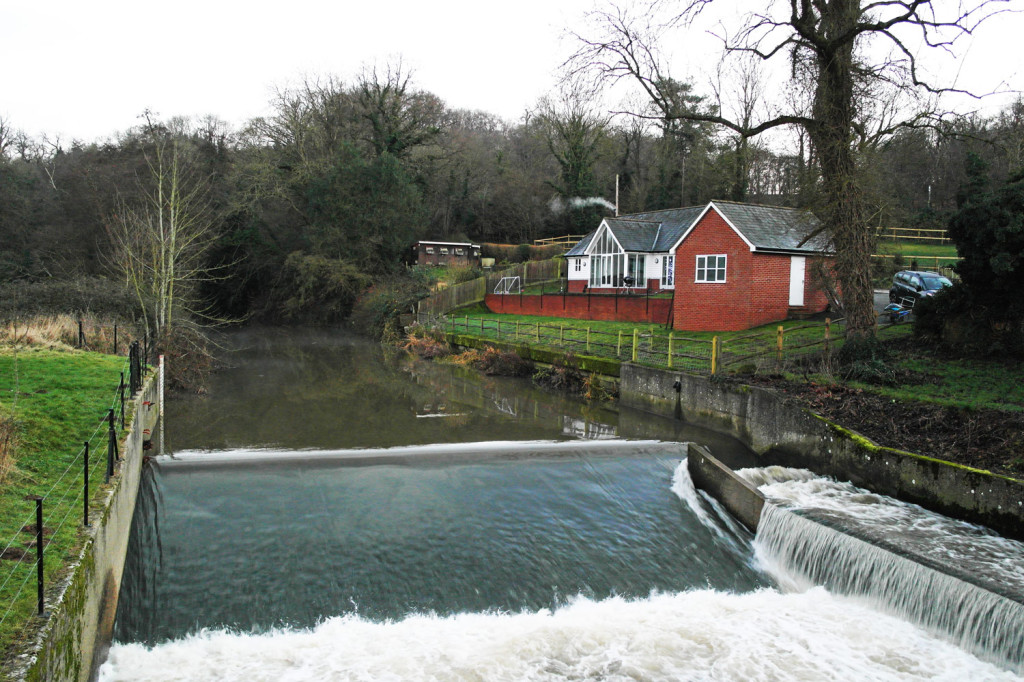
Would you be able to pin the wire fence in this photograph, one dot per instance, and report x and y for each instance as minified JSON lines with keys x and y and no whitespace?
{"x":46,"y":536}
{"x":775,"y":348}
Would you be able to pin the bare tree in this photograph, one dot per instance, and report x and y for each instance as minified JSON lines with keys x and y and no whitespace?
{"x":849,"y":90}
{"x":160,"y":243}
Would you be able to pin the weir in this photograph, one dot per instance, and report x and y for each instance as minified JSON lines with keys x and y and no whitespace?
{"x":868,"y":556}
{"x":977,"y":619}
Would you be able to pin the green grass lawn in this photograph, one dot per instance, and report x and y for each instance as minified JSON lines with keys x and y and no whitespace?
{"x":972,"y":384}
{"x":58,"y":400}
{"x":691,"y":351}
{"x":911,"y":249}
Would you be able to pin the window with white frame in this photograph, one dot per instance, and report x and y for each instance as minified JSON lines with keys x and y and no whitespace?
{"x":668,"y":271}
{"x":711,"y":268}
{"x":444,"y":251}
{"x":638,"y":269}
{"x":460,"y":252}
{"x":430,"y":249}
{"x":579,"y":264}
{"x":607,"y":262}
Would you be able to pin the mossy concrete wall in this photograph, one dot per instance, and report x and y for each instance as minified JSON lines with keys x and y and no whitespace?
{"x":782,"y":432}
{"x":604,"y":366}
{"x":74,"y":638}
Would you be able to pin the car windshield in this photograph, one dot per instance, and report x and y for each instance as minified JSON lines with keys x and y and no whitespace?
{"x":936,"y":282}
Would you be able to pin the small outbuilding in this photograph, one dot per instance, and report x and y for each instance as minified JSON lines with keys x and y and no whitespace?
{"x":446,"y":253}
{"x":730,"y":265}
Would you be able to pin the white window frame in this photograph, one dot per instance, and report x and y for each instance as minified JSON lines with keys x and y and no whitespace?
{"x":719,"y":267}
{"x":444,"y":251}
{"x":460,"y":252}
{"x":429,"y":249}
{"x":668,"y":273}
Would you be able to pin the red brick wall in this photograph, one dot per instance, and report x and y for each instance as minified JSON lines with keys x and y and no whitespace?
{"x":580,"y":285}
{"x":582,"y":307}
{"x":756,"y":290}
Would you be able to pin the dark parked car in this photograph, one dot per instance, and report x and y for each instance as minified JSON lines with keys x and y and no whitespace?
{"x":916,"y":284}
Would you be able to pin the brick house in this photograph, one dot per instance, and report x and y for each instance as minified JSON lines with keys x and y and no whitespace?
{"x":446,"y":253}
{"x":730,"y":266}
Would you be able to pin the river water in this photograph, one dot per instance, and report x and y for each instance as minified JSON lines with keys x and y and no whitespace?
{"x":330,"y":511}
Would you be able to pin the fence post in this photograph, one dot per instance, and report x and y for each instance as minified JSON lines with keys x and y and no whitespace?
{"x":499,"y":330}
{"x":81,"y":334}
{"x":85,"y":489}
{"x":39,"y":551}
{"x":778,"y":348}
{"x":636,"y":340}
{"x":561,"y":335}
{"x":828,"y":336}
{"x":618,"y":345}
{"x":670,"y":350}
{"x":715,"y":348}
{"x":115,"y":338}
{"x":588,"y":339}
{"x":517,"y":330}
{"x":537,"y":329}
{"x":120,"y":393}
{"x":111,"y":445}
{"x":650,"y":343}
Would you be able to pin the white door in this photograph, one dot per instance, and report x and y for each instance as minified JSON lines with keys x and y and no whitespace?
{"x":797,"y":265}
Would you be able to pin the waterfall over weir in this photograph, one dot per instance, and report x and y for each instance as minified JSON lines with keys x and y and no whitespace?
{"x":955,"y":579}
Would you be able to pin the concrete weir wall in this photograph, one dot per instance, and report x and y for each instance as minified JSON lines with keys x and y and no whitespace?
{"x":740,"y":497}
{"x":81,"y":609}
{"x":784,"y":433}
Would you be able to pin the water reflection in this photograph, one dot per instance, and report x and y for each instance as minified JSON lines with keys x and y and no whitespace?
{"x":326,"y":389}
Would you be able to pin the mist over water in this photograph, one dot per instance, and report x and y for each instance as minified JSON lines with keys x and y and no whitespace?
{"x":310,"y":525}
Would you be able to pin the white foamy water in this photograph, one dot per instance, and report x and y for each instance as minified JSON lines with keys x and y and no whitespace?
{"x":917,"y":531}
{"x":698,"y":635}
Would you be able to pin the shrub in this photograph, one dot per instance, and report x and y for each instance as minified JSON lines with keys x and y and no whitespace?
{"x":97,"y":295}
{"x":427,"y":347}
{"x":463,"y":273}
{"x":564,"y":375}
{"x":381,"y":305}
{"x":189,"y":358}
{"x":503,"y":363}
{"x":866,"y":359}
{"x":318,"y":290}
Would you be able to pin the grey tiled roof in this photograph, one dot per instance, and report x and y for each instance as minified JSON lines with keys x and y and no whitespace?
{"x":771,"y":228}
{"x":774,"y":227}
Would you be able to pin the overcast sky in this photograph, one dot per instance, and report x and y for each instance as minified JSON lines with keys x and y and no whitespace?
{"x":86,"y":70}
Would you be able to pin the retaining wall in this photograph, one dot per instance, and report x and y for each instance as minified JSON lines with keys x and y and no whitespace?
{"x":75,"y":636}
{"x":783,"y":432}
{"x":626,"y":308}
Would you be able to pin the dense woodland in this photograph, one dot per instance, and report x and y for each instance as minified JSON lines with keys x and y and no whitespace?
{"x":296,"y":215}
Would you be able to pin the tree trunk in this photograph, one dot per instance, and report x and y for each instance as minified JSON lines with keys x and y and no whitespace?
{"x":832,"y":136}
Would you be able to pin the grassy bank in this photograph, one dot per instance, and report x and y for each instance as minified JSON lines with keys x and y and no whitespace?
{"x":54,"y":400}
{"x":744,"y":351}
